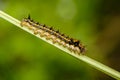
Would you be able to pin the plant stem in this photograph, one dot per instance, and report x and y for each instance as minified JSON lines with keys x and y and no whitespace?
{"x":99,"y":66}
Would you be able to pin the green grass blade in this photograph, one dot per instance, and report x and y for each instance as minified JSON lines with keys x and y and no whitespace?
{"x":99,"y":66}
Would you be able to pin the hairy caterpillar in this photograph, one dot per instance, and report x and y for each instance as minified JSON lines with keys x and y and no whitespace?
{"x":55,"y":36}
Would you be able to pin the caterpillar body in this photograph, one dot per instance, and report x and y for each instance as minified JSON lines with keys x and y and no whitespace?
{"x":55,"y":36}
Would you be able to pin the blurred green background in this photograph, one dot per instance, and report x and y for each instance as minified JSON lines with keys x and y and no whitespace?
{"x":95,"y":22}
